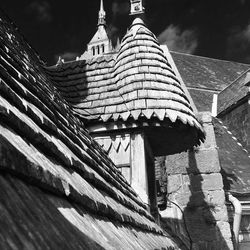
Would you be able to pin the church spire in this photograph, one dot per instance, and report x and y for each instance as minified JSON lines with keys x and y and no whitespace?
{"x":102,"y":15}
{"x":100,"y":43}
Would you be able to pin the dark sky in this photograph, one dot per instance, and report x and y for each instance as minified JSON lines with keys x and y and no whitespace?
{"x":214,"y":28}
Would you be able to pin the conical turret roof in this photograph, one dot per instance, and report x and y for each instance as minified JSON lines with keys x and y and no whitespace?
{"x":142,"y":69}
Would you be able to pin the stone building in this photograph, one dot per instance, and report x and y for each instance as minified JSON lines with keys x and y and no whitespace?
{"x":133,"y":147}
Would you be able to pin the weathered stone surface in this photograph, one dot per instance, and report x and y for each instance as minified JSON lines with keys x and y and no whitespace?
{"x":215,"y":213}
{"x":216,"y":197}
{"x":174,"y":183}
{"x":195,"y":184}
{"x":199,"y":161}
{"x":204,"y":182}
{"x":205,"y":117}
{"x":210,"y":141}
{"x":203,"y":226}
{"x":195,"y":199}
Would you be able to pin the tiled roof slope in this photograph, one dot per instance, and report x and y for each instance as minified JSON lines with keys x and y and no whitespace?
{"x":87,"y":85}
{"x":136,"y":82}
{"x":208,"y":73}
{"x":234,"y":160}
{"x":233,"y":93}
{"x":203,"y":99}
{"x":205,"y":76}
{"x":58,"y":188}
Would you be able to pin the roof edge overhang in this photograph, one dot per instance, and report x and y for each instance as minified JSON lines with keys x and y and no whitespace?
{"x":164,"y":136}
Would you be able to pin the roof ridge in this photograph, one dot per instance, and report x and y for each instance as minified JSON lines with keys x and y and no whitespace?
{"x":211,"y":58}
{"x":204,"y":89}
{"x":100,"y":59}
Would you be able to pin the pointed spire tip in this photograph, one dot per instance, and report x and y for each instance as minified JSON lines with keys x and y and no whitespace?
{"x":102,"y":14}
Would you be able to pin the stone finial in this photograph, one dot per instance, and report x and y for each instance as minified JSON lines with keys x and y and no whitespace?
{"x":136,"y":7}
{"x":102,"y":15}
{"x":60,"y":61}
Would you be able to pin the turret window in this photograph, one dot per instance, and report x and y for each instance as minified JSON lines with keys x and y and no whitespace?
{"x":93,"y":51}
{"x":103,"y":48}
{"x":98,"y":50}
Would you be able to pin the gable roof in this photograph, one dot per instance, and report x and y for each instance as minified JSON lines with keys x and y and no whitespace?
{"x":54,"y":178}
{"x":100,"y":35}
{"x":234,"y":160}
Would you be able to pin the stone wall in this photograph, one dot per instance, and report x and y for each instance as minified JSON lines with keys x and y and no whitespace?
{"x":238,"y":122}
{"x":196,"y":209}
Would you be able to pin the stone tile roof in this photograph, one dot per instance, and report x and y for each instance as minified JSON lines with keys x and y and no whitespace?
{"x":58,"y":187}
{"x":211,"y":76}
{"x":233,"y":93}
{"x":136,"y":82}
{"x":208,"y":73}
{"x":234,"y":160}
{"x":203,"y":99}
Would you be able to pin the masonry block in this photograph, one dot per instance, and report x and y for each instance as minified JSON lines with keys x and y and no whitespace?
{"x":205,"y":117}
{"x":215,"y":213}
{"x":199,"y":161}
{"x":215,"y":198}
{"x":210,"y":198}
{"x":210,"y":141}
{"x":174,"y":183}
{"x":204,"y":182}
{"x":200,"y":182}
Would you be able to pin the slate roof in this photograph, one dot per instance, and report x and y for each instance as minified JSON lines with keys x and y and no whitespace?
{"x":205,"y":76}
{"x":208,"y":73}
{"x":233,"y":93}
{"x":203,"y":99}
{"x":136,"y":82}
{"x":234,"y":160}
{"x":58,"y":188}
